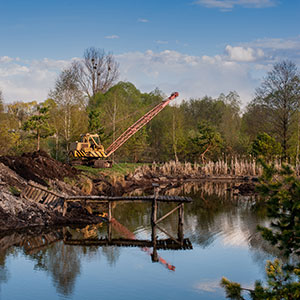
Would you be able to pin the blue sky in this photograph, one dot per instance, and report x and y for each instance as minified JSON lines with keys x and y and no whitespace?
{"x":199,"y":47}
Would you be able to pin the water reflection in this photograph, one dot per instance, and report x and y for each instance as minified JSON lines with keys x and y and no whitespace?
{"x":216,"y":218}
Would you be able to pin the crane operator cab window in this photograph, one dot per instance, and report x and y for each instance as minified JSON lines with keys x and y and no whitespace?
{"x":94,"y":142}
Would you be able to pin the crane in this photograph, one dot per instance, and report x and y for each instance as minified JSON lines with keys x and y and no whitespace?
{"x":90,"y":151}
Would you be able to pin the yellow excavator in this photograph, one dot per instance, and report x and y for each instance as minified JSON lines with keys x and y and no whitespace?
{"x":90,"y":151}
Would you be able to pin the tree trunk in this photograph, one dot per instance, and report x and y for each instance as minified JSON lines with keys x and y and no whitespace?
{"x":174,"y":138}
{"x":38,"y":140}
{"x":56,"y":145}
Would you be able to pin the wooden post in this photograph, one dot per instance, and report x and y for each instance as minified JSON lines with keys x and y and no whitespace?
{"x":65,"y":208}
{"x":154,"y":204}
{"x":109,"y":211}
{"x":180,"y":222}
{"x":154,"y":255}
{"x":109,"y":232}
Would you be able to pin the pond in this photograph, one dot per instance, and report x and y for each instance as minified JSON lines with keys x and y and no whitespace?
{"x":220,"y":240}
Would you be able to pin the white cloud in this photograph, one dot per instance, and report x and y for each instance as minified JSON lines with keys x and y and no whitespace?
{"x":112,"y":37}
{"x":239,"y":68}
{"x":141,"y":20}
{"x":243,"y":54}
{"x":276,"y":49}
{"x":5,"y":59}
{"x":277,"y":44}
{"x":161,"y":42}
{"x":29,"y":80}
{"x":230,"y":4}
{"x":191,"y":76}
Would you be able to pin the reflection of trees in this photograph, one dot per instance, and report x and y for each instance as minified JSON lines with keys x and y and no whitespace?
{"x":112,"y":254}
{"x":3,"y":270}
{"x":235,"y":218}
{"x":62,"y":262}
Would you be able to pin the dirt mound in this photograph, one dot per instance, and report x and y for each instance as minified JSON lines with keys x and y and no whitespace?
{"x":38,"y":166}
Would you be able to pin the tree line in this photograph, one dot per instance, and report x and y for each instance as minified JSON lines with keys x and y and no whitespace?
{"x":87,"y":97}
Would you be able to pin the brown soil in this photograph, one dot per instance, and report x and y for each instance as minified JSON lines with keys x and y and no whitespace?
{"x":38,"y":166}
{"x":17,"y":212}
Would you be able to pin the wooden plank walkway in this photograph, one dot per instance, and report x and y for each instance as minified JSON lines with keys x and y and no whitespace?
{"x":167,"y":244}
{"x":131,"y":198}
{"x":40,"y":194}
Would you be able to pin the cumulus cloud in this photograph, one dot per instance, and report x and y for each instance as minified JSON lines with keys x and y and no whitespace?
{"x":276,"y":49}
{"x":5,"y":59}
{"x":112,"y":37}
{"x":28,"y":80}
{"x":243,"y":54}
{"x":239,"y":68}
{"x":191,"y":76}
{"x":230,"y":4}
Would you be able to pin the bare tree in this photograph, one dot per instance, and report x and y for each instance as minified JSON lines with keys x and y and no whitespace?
{"x":279,"y":93}
{"x":97,"y":72}
{"x":69,"y":99}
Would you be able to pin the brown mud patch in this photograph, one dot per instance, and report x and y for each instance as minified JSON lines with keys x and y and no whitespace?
{"x":38,"y":166}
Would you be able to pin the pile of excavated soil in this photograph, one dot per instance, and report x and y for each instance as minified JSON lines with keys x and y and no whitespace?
{"x":38,"y":166}
{"x":17,"y":212}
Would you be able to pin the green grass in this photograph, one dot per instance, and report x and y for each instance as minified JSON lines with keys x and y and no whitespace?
{"x":15,"y":191}
{"x":118,"y":169}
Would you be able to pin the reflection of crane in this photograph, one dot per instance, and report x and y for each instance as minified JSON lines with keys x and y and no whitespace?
{"x":128,"y":234}
{"x":89,"y":150}
{"x":90,"y":233}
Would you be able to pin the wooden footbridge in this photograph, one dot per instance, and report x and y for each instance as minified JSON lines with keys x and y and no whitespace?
{"x":40,"y":194}
{"x":62,"y":202}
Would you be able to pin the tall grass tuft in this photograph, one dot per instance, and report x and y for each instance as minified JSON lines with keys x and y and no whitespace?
{"x":231,"y":168}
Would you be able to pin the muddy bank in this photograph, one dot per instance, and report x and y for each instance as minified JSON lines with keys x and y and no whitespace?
{"x":38,"y":166}
{"x":17,"y":212}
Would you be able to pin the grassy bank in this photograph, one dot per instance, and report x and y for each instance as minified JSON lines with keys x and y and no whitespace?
{"x":117,"y":170}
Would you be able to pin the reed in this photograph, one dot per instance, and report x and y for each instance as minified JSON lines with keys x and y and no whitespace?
{"x":233,"y":167}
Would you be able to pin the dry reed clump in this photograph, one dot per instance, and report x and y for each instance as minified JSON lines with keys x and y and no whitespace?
{"x":86,"y":185}
{"x":226,"y":168}
{"x":234,"y":167}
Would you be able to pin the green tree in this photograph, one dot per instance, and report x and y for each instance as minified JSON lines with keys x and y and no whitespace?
{"x":95,"y":124}
{"x":230,"y":125}
{"x":207,"y":139}
{"x":38,"y":123}
{"x":281,"y":191}
{"x":70,"y":107}
{"x":279,"y":94}
{"x":8,"y":136}
{"x":265,"y":146}
{"x":256,"y":119}
{"x":19,"y":112}
{"x":115,"y":111}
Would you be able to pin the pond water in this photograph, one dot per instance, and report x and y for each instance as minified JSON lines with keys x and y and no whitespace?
{"x":220,"y":226}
